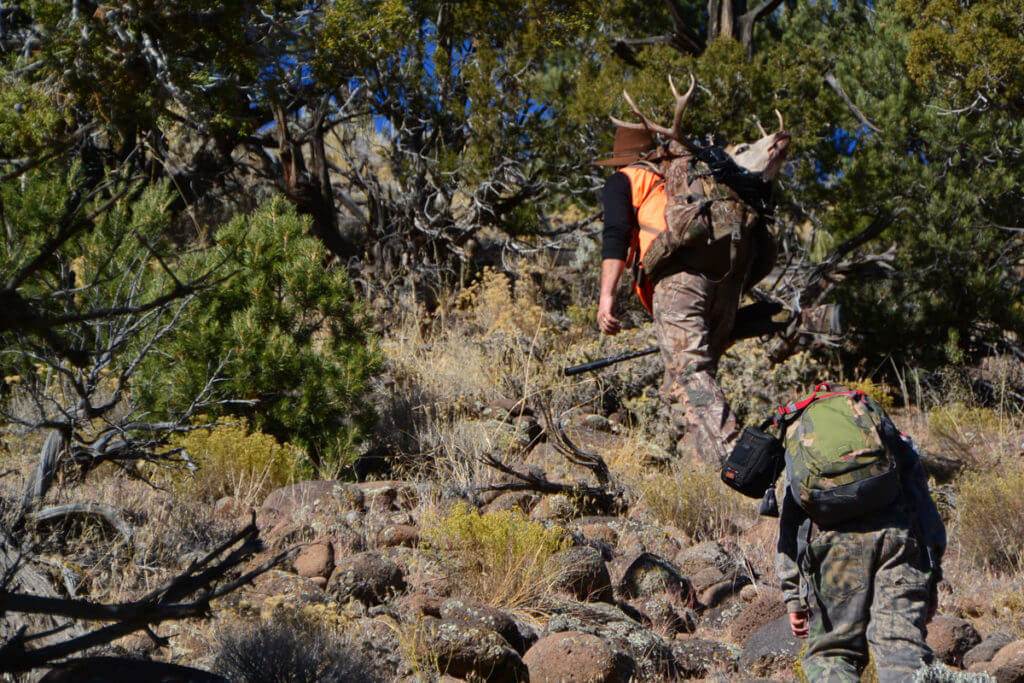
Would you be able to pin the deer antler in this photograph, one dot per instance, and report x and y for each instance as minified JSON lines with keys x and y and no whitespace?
{"x":675,"y":132}
{"x":782,"y":124}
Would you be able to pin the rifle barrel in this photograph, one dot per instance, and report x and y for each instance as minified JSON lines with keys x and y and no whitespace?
{"x":605,"y":362}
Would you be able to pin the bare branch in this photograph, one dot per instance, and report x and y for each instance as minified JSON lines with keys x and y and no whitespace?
{"x":833,"y":82}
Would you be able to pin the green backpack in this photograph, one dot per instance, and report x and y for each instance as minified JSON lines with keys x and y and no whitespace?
{"x":837,"y":458}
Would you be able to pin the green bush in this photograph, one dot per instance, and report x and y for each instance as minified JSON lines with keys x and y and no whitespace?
{"x":287,"y":333}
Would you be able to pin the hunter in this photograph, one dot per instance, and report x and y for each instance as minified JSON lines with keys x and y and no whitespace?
{"x":694,"y":299}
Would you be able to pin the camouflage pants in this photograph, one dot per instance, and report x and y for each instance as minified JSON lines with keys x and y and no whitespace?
{"x":869,"y":588}
{"x":693,"y":318}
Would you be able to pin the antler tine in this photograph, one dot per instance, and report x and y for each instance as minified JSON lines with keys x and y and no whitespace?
{"x":764,"y":133}
{"x":628,"y":124}
{"x":677,"y":118}
{"x":782,"y":124}
{"x":647,"y":123}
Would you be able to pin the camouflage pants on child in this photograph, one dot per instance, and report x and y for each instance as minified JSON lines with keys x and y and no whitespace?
{"x":693,"y":318}
{"x":869,"y":584}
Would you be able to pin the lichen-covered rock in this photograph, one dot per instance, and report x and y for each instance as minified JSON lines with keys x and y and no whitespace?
{"x":469,"y":651}
{"x":696,"y":658}
{"x":666,"y":617}
{"x":652,"y":655}
{"x":770,"y":649}
{"x":987,"y":648}
{"x":709,"y":554}
{"x":571,"y":656}
{"x":950,"y":638}
{"x":377,"y":642}
{"x":366,"y":577}
{"x":648,"y":575}
{"x":484,"y":616}
{"x":582,"y":572}
{"x":385,"y":496}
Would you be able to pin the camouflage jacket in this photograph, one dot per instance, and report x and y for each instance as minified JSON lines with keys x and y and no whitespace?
{"x":795,"y":526}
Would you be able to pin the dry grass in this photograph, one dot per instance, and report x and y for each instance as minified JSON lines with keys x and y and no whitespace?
{"x":501,"y":559}
{"x":693,"y":499}
{"x":990,"y":517}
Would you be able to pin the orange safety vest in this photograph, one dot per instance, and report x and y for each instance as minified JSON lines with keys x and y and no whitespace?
{"x":647,"y":190}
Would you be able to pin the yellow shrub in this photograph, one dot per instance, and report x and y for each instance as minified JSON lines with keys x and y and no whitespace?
{"x":500,"y":558}
{"x":498,"y":308}
{"x":991,"y":517}
{"x":883,"y":393}
{"x":694,"y":500}
{"x":234,"y":461}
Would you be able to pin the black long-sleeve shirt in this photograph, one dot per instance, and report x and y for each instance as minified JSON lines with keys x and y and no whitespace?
{"x":619,"y":217}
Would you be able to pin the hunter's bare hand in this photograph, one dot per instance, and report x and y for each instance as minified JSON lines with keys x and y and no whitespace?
{"x":798,"y":624}
{"x":606,"y":319}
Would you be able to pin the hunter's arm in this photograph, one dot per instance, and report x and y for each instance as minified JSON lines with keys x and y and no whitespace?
{"x":618,"y":225}
{"x":791,"y":519}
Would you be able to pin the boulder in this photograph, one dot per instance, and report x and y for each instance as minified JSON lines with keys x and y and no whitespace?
{"x":556,"y":507}
{"x":512,"y":500}
{"x":314,"y":560}
{"x":988,"y":647}
{"x":472,"y":614}
{"x":420,"y":604}
{"x":665,"y":617}
{"x":399,"y":535}
{"x":771,"y":649}
{"x":575,"y":656}
{"x":307,"y":499}
{"x":229,"y":509}
{"x":366,"y":577}
{"x":621,"y":626}
{"x":764,"y":610}
{"x":599,"y":532}
{"x":274,"y":583}
{"x":950,"y":638}
{"x":648,"y":575}
{"x":696,"y":658}
{"x":715,"y":594}
{"x":469,"y":651}
{"x":385,"y":496}
{"x":709,"y":554}
{"x":581,"y":571}
{"x":1008,"y":664}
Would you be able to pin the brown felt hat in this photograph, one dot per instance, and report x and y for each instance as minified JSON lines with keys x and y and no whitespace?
{"x":630,"y":146}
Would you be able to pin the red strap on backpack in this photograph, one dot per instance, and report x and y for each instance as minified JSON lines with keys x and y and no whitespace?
{"x":799,"y":406}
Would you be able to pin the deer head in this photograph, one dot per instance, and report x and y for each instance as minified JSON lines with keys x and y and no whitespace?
{"x":765,"y":155}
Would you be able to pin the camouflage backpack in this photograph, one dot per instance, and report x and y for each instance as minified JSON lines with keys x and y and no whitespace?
{"x":837,"y":458}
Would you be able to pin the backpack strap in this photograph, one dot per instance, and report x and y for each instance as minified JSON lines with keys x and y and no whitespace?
{"x":787,"y":414}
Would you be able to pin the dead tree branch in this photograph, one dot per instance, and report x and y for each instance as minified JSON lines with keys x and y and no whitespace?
{"x":187,"y":595}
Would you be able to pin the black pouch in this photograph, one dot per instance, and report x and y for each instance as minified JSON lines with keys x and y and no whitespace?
{"x":755,"y":462}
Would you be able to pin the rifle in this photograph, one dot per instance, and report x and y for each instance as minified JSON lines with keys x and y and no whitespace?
{"x":605,"y":362}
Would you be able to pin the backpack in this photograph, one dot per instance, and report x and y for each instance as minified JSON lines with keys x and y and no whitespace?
{"x":709,"y":199}
{"x":839,"y":455}
{"x":838,"y":447}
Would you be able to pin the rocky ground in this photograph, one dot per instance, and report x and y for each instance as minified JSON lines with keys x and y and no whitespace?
{"x":628,"y":598}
